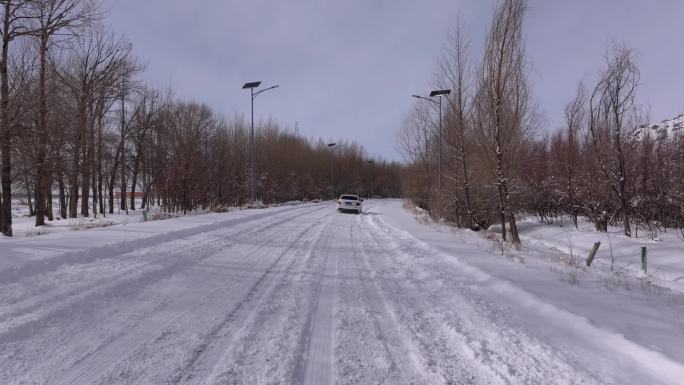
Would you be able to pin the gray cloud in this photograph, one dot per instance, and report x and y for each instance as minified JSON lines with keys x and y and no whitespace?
{"x":346,"y":68}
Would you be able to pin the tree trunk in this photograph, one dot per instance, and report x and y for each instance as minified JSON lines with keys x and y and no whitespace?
{"x":48,"y":198}
{"x":87,"y":165}
{"x":99,"y":169}
{"x":134,"y":181}
{"x":41,"y":151}
{"x":123,"y":153}
{"x":124,"y":186}
{"x":515,"y":237}
{"x":112,"y":178}
{"x":466,"y":182}
{"x":85,"y":185}
{"x":32,"y":212}
{"x":73,"y":190}
{"x":91,"y":166}
{"x":6,"y":207}
{"x":76,"y":159}
{"x":111,"y":193}
{"x":62,"y":197}
{"x":502,"y":214}
{"x":93,"y":184}
{"x":622,"y":182}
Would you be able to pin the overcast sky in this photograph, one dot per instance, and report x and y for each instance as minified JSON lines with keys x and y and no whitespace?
{"x":346,"y":69}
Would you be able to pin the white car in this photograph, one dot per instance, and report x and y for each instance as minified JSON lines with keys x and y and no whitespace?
{"x":348,"y":202}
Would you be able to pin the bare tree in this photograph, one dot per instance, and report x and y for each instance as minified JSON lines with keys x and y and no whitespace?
{"x":612,"y":119}
{"x":455,"y":69}
{"x":124,"y":87}
{"x":96,"y":62}
{"x":415,"y":142}
{"x":51,"y":19}
{"x":128,"y":86}
{"x":149,"y":107}
{"x":14,"y":25}
{"x":502,"y":101}
{"x":574,"y":116}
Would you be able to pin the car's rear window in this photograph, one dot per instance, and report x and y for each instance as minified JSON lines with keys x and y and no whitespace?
{"x":350,"y":197}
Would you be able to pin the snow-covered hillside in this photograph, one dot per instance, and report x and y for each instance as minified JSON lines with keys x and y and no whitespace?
{"x":666,"y":129}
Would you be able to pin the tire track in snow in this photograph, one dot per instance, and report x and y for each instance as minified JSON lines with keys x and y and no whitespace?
{"x":509,"y":354}
{"x":262,"y":349}
{"x":37,"y":267}
{"x":443,"y":357}
{"x":30,"y":307}
{"x":207,"y":356}
{"x":96,"y":364}
{"x":318,"y":359}
{"x":203,"y":344}
{"x":314,"y":361}
{"x":114,"y":349}
{"x":405,"y":366}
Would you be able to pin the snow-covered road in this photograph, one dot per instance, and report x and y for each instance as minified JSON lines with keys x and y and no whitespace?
{"x":298,"y":295}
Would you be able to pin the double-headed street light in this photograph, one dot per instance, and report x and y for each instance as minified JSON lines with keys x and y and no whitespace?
{"x":252,"y":86}
{"x":438,"y":102}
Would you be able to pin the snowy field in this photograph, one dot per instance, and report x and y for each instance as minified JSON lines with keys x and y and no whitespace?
{"x":304,"y":295}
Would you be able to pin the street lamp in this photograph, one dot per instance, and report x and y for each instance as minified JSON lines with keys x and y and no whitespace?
{"x":372,"y":179}
{"x":438,"y":102}
{"x":331,"y":146}
{"x":251,"y":86}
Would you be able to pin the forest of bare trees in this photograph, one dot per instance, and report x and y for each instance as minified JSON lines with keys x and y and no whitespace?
{"x":605,"y":164}
{"x":78,"y":127}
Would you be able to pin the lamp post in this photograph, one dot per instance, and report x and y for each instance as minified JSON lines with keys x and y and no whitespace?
{"x":438,"y":102}
{"x":372,"y":179}
{"x":251,"y":86}
{"x":331,"y":146}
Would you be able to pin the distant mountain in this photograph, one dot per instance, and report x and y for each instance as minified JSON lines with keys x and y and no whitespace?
{"x":667,"y":129}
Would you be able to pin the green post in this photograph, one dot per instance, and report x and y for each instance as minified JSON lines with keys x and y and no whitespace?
{"x":643,"y":259}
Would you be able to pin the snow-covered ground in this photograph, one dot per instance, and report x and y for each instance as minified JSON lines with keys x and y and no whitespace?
{"x":23,"y":225}
{"x":304,"y":295}
{"x":618,"y":255}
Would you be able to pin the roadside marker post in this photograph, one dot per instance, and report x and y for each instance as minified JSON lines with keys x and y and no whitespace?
{"x":592,"y":253}
{"x":644,"y":259}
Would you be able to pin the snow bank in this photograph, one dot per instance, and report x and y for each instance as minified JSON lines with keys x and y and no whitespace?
{"x":618,"y":253}
{"x":615,"y":323}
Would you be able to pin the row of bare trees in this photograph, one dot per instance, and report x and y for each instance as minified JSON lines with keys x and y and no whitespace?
{"x":606,"y":164}
{"x":488,"y":119}
{"x":81,"y":135}
{"x":497,"y":161}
